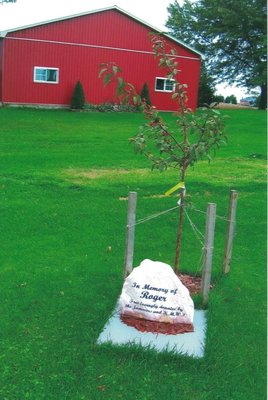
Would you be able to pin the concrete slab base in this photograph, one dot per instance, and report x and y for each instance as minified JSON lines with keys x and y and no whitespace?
{"x":191,"y":344}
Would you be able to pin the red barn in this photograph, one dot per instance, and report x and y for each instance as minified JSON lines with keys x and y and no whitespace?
{"x":41,"y":63}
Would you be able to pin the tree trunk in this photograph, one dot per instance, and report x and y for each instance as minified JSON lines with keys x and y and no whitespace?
{"x":263,"y":97}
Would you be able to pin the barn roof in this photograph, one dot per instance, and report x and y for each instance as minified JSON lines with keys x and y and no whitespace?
{"x":5,"y":32}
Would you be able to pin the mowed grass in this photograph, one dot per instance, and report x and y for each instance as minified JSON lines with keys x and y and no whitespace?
{"x":64,"y":182}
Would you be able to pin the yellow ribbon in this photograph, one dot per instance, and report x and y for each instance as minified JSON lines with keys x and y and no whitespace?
{"x":174,"y":188}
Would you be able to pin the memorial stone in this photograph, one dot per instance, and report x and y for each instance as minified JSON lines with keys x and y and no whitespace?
{"x":153,"y":299}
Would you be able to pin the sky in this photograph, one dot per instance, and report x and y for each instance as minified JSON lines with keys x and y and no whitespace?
{"x":154,"y":12}
{"x":25,"y":12}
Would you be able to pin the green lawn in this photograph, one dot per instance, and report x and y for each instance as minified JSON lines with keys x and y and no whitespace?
{"x":64,"y":179}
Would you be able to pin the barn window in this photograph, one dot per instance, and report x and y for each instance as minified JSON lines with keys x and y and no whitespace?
{"x":164,"y":85}
{"x":46,"y":75}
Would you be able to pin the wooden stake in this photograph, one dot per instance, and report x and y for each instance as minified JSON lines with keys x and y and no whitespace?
{"x":208,"y":251}
{"x":230,"y":232}
{"x":179,"y":236}
{"x":130,"y":233}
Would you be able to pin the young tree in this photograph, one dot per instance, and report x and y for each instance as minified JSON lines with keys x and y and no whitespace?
{"x":231,"y":34}
{"x":196,"y":135}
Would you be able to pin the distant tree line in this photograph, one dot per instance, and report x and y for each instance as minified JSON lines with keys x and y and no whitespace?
{"x":232,"y":35}
{"x":8,"y":1}
{"x":207,"y":90}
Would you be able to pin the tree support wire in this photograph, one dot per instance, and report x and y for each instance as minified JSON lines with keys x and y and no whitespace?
{"x":207,"y":244}
{"x":130,"y":229}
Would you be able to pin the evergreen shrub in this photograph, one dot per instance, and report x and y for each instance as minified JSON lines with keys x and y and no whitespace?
{"x":78,"y":97}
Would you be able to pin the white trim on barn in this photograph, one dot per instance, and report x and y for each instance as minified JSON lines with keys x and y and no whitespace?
{"x":94,"y":46}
